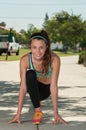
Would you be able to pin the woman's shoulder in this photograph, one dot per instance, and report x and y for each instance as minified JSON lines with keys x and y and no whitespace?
{"x":25,"y":59}
{"x":54,"y":57}
{"x":55,"y":60}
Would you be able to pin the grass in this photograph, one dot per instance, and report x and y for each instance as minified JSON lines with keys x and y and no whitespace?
{"x":65,"y":54}
{"x":13,"y":57}
{"x":22,"y":52}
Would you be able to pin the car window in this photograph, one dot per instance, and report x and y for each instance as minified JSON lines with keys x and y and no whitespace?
{"x":3,"y":38}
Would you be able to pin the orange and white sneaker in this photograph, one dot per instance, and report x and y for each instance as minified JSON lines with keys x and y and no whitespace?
{"x":37,"y":117}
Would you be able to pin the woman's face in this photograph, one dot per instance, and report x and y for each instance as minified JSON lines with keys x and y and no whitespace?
{"x":38,"y":48}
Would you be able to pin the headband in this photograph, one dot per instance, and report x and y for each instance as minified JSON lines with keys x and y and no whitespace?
{"x":38,"y":36}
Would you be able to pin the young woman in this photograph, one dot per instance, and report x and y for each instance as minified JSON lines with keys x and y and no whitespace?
{"x":39,"y":71}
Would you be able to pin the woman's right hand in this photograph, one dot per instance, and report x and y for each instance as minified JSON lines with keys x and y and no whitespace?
{"x":15,"y":119}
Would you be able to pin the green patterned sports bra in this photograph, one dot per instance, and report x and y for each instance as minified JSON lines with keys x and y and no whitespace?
{"x":39,"y":74}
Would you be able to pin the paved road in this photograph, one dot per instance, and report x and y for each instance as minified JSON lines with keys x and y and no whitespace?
{"x":72,"y":97}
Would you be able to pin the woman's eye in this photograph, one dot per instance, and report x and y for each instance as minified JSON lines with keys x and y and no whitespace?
{"x":41,"y":47}
{"x":34,"y":47}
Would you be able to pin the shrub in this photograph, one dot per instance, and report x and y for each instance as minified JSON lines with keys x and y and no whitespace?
{"x":82,"y":57}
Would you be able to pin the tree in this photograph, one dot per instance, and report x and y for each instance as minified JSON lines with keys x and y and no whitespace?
{"x":31,"y":29}
{"x":10,"y":35}
{"x":52,"y":29}
{"x":83,"y":40}
{"x":3,"y":24}
{"x":22,"y":31}
{"x":66,"y":28}
{"x":45,"y":21}
{"x":62,"y":17}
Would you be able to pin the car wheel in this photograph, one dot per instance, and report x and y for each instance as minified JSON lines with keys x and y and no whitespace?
{"x":17,"y":53}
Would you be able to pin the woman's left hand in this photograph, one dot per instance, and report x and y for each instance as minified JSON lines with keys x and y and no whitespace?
{"x":58,"y":119}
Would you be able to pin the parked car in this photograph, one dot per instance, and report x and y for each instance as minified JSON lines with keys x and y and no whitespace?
{"x":8,"y":47}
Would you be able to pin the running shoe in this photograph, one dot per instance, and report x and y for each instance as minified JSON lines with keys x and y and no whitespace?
{"x":37,"y":117}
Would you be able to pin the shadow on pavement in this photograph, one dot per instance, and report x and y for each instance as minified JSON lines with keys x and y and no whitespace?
{"x":68,"y":106}
{"x":9,"y":100}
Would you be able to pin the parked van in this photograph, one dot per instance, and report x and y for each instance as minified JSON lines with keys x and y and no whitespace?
{"x":8,"y":47}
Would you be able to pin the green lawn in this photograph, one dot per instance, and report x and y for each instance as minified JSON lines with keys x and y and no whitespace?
{"x":65,"y":54}
{"x":13,"y":56}
{"x":25,"y":51}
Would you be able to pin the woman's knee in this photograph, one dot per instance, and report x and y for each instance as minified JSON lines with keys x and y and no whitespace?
{"x":30,"y":78}
{"x":30,"y":75}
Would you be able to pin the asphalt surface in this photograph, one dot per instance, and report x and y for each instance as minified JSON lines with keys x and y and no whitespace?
{"x":72,"y":98}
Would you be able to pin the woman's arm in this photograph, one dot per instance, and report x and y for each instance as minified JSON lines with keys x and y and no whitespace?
{"x":54,"y":88}
{"x":22,"y":91}
{"x":54,"y":82}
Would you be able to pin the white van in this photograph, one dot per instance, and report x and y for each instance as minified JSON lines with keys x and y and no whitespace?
{"x":8,"y":47}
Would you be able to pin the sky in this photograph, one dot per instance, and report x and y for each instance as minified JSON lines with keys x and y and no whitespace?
{"x":18,"y":14}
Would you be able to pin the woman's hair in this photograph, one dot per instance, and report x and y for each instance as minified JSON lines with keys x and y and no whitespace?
{"x":43,"y":35}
